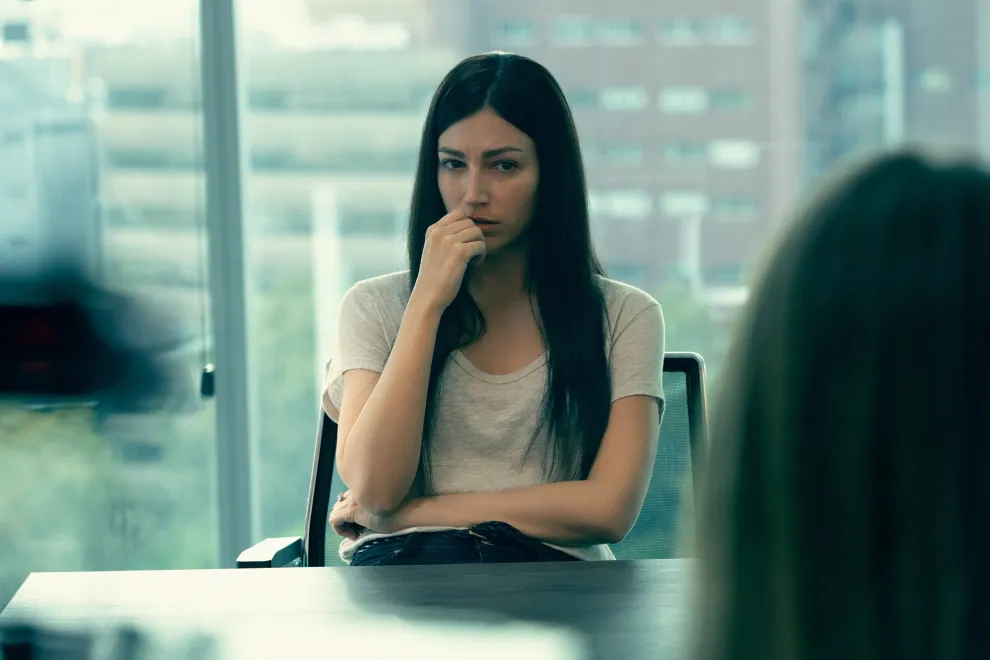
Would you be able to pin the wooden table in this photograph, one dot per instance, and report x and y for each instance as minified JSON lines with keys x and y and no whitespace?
{"x":618,"y":609}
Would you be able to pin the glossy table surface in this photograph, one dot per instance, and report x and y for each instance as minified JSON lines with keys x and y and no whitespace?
{"x":637,"y":609}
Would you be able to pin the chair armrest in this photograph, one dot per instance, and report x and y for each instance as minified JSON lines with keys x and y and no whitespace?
{"x":272,"y":553}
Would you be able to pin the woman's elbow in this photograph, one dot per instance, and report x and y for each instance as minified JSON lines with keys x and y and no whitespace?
{"x":377,"y":498}
{"x":614,"y":533}
{"x":375,"y":494}
{"x":615,"y":524}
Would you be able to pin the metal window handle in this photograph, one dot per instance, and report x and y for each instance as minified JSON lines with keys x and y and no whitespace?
{"x":207,"y":383}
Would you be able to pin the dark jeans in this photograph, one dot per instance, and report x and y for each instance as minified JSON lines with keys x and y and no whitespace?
{"x":487,"y":543}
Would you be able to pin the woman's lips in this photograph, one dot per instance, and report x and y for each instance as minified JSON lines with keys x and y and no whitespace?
{"x":484,"y":224}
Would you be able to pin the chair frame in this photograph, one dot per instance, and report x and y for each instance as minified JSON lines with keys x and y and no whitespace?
{"x":310,"y":549}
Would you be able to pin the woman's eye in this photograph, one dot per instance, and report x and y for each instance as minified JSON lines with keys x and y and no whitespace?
{"x":451,"y":164}
{"x":505,"y":166}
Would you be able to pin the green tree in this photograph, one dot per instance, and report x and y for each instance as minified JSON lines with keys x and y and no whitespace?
{"x":73,"y":501}
{"x":287,"y":399}
{"x":689,"y":326}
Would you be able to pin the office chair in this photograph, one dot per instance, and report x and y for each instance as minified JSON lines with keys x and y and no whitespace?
{"x":666,"y":513}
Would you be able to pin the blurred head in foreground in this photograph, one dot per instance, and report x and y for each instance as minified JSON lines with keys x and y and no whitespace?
{"x":846,"y":508}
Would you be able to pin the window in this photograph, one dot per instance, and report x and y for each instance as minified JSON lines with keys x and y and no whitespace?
{"x":621,"y":154}
{"x":727,"y":275}
{"x":133,"y":491}
{"x":137,"y":97}
{"x":627,"y":204}
{"x":384,"y":222}
{"x":685,"y":153}
{"x":935,"y":80}
{"x":630,"y":273}
{"x":574,"y":31}
{"x":730,"y":99}
{"x":684,"y":100}
{"x":267,"y":99}
{"x":16,"y":32}
{"x":677,"y":167}
{"x":145,"y":270}
{"x":624,"y":98}
{"x":734,"y":209}
{"x":681,"y":31}
{"x":514,"y":34}
{"x":731,"y":31}
{"x":152,"y":159}
{"x":734,"y":154}
{"x":682,"y":204}
{"x":581,"y":98}
{"x":620,"y":33}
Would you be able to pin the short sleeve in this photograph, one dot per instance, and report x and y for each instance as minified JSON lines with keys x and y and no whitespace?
{"x":637,"y":356}
{"x":362,"y":343}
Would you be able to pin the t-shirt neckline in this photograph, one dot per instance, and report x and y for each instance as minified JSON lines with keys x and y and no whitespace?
{"x":498,"y":379}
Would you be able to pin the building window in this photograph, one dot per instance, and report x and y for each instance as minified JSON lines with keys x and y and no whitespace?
{"x":574,"y":31}
{"x":730,"y":99}
{"x":581,"y":98}
{"x":683,"y":204}
{"x":683,"y":100}
{"x":624,"y":98}
{"x":681,"y":31}
{"x":731,"y":31}
{"x":620,"y":154}
{"x":629,"y":204}
{"x":728,"y":275}
{"x":735,"y":209}
{"x":137,"y":97}
{"x":620,"y":33}
{"x":151,"y":159}
{"x":734,"y":154}
{"x":514,"y":33}
{"x":634,"y":274}
{"x":380,"y":222}
{"x":685,"y":153}
{"x":16,"y":32}
{"x":935,"y":80}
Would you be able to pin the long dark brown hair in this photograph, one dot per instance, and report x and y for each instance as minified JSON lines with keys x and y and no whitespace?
{"x":846,"y":507}
{"x":563,"y":272}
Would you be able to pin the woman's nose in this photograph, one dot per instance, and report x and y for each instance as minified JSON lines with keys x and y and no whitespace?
{"x":476,"y":191}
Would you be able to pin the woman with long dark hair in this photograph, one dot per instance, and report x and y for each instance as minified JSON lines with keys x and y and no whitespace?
{"x":501,"y":400}
{"x":846,"y":501}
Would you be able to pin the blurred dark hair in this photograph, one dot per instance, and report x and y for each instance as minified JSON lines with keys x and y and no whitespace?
{"x":562,"y":271}
{"x":846,"y":506}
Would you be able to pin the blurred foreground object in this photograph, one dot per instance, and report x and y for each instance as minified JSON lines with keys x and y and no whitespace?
{"x":33,"y":642}
{"x":444,"y":637}
{"x":66,"y":341}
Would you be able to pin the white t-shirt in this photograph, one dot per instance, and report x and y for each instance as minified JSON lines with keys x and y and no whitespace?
{"x":484,"y":423}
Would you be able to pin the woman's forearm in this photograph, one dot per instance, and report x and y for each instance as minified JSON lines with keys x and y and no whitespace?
{"x":567,"y":513}
{"x":381,"y":455}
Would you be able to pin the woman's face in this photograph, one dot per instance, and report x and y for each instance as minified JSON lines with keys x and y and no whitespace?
{"x":489,"y":168}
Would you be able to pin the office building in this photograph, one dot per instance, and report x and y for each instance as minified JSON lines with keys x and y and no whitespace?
{"x":689,"y":123}
{"x":879,"y":73}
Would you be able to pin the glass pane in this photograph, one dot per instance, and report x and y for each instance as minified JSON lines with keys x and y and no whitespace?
{"x":687,"y":184}
{"x":100,"y":162}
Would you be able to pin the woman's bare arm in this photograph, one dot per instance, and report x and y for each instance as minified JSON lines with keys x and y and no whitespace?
{"x":599,"y":509}
{"x":381,"y":417}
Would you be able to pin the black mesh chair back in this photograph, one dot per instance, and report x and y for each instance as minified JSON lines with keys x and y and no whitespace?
{"x":665,"y":527}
